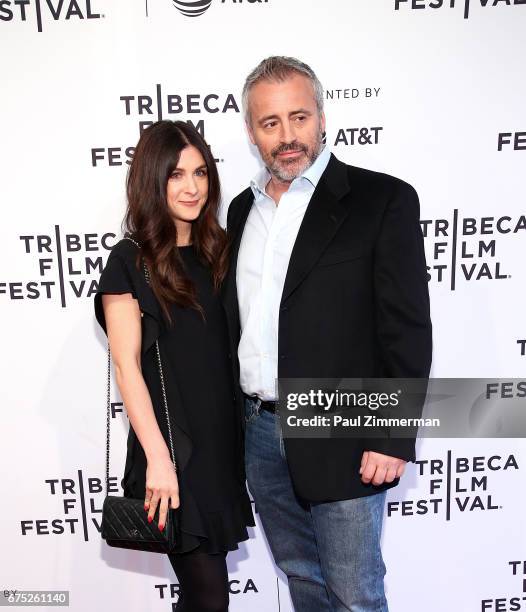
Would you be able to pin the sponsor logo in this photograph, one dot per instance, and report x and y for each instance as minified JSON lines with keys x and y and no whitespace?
{"x":44,"y":11}
{"x":147,"y":108}
{"x":465,"y":249}
{"x":511,"y":140}
{"x":81,"y":501}
{"x":170,"y":592}
{"x":196,"y":8}
{"x":455,"y":485}
{"x":453,"y":4}
{"x":358,"y":136}
{"x":65,"y":265}
{"x":516,"y":602}
{"x":192,"y":8}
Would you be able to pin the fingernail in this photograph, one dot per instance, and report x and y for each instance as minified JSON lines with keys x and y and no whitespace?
{"x":150,"y":519}
{"x":145,"y":507}
{"x":161,"y":527}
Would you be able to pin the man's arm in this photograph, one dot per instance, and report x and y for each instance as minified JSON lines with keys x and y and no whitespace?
{"x":402,"y":317}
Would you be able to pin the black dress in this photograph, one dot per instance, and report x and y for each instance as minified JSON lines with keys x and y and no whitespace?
{"x":208,"y":437}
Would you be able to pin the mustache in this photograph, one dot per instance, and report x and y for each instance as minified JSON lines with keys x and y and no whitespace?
{"x":286,"y":148}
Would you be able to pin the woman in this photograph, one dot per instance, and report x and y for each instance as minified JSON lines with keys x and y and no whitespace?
{"x":173,"y":195}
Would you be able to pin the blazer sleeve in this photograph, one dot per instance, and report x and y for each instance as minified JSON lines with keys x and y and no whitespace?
{"x":403,"y":322}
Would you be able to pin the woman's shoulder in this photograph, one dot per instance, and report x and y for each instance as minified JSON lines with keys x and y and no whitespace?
{"x":126,"y":249}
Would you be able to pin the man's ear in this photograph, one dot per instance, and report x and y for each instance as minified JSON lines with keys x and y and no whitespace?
{"x":250,"y":132}
{"x":322,"y":120}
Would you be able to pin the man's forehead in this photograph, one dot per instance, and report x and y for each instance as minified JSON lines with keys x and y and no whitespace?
{"x":296,"y":90}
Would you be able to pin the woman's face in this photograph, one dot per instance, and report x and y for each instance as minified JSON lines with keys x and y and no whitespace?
{"x":187,"y":188}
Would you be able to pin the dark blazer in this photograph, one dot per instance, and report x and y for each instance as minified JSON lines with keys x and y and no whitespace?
{"x":355,"y":304}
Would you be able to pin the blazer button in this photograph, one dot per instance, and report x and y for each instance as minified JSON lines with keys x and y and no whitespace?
{"x":282,"y":356}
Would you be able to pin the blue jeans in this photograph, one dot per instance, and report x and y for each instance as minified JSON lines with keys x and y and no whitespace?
{"x":330,"y":551}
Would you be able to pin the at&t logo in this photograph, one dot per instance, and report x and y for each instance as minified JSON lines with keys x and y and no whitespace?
{"x":192,"y":8}
{"x":196,"y":8}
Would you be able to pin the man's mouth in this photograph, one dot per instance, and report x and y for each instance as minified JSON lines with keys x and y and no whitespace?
{"x":290,"y":154}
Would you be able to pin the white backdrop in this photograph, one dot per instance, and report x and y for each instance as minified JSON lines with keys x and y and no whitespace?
{"x":438,"y":93}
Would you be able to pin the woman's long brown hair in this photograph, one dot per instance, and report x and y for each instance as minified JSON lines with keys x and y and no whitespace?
{"x":149,"y":222}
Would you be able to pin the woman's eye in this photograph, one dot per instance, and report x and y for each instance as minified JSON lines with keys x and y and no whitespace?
{"x":175,"y":175}
{"x":201,"y":172}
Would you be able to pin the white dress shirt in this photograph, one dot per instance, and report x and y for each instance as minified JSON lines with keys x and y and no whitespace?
{"x":263,"y":259}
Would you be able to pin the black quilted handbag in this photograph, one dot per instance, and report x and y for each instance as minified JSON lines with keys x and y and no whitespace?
{"x":124,"y":520}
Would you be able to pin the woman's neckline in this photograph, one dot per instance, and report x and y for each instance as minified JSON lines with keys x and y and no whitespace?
{"x":185,"y":246}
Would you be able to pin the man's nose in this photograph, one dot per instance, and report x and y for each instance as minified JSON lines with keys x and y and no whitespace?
{"x":288,"y":134}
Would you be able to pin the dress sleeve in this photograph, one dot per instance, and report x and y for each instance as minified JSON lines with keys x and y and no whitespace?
{"x":115,"y":278}
{"x":120,"y":275}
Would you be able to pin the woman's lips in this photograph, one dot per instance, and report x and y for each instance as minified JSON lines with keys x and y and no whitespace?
{"x":189,"y":203}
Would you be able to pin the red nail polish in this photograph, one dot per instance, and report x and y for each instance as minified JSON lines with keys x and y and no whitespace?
{"x":145,"y":507}
{"x":150,"y":519}
{"x":161,"y":527}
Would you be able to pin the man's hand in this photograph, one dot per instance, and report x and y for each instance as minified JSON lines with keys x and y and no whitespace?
{"x":378,"y":468}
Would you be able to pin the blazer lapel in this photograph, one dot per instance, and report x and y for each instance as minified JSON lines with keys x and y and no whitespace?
{"x":324,"y":215}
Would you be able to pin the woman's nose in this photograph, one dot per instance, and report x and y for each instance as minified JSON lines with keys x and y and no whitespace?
{"x":191,"y":185}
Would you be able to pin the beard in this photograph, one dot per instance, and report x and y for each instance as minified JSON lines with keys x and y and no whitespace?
{"x":286,"y":170}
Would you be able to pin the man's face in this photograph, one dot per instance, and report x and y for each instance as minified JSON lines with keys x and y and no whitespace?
{"x":285,"y":125}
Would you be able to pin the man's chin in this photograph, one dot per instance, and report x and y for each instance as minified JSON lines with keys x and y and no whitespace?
{"x":288,"y":171}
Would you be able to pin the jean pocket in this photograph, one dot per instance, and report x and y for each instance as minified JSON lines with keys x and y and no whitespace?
{"x":251,"y":411}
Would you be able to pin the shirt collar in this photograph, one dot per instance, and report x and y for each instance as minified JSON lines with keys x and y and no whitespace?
{"x":312,"y":173}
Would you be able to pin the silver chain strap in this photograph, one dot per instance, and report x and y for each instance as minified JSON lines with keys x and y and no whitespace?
{"x":108,"y":399}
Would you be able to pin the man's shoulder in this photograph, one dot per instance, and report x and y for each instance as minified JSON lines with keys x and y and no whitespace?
{"x":373,"y":181}
{"x":236,"y":205}
{"x":245,"y":196}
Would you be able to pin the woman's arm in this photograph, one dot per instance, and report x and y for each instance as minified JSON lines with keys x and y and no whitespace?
{"x":123,"y":324}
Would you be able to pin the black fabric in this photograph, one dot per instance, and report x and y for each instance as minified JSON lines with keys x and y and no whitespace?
{"x":215,"y":507}
{"x":203,"y":582}
{"x":355,"y":304}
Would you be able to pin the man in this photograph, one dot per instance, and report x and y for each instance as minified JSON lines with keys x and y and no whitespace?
{"x":327,"y":280}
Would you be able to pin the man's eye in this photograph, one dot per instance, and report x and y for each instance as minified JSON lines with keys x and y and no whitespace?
{"x":301,"y":118}
{"x":270,"y":124}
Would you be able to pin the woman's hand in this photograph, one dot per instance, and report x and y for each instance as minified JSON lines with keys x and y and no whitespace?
{"x":123,"y":321}
{"x":161,"y":486}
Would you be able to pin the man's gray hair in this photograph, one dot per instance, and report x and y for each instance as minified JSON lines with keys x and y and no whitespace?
{"x":278,"y":68}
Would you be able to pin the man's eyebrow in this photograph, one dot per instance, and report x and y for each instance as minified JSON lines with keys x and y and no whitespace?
{"x":300,"y":111}
{"x":267,"y":118}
